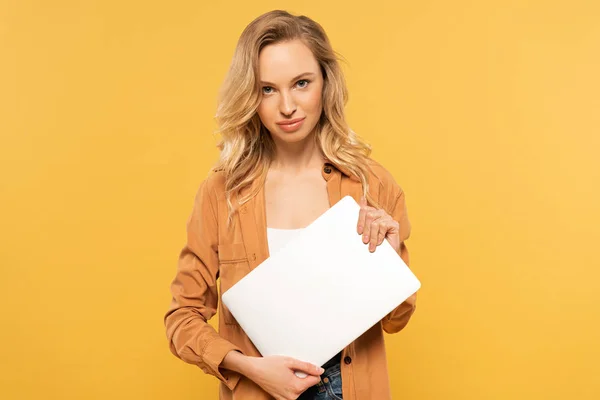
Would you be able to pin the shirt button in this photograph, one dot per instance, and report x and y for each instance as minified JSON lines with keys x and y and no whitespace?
{"x":244,"y":210}
{"x":253,"y":257}
{"x":347,"y":360}
{"x":327,"y":169}
{"x":325,"y":380}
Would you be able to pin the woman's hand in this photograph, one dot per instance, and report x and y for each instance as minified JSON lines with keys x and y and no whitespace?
{"x":375,"y":225}
{"x":275,"y":375}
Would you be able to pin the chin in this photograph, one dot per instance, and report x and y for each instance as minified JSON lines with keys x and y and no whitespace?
{"x":292,"y":138}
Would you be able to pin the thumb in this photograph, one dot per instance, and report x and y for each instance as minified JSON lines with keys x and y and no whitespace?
{"x":308,"y":368}
{"x":363,"y":201}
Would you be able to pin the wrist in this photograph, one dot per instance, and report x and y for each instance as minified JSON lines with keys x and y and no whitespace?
{"x":238,"y":362}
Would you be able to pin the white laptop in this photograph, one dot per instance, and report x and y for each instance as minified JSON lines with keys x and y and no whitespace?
{"x":320,"y":291}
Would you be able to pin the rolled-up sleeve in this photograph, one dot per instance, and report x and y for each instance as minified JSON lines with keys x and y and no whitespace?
{"x":397,"y":319}
{"x":195,"y":296}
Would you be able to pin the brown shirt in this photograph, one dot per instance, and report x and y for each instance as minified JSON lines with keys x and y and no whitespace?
{"x":214,"y":250}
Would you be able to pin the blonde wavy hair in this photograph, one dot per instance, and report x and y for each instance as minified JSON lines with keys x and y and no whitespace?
{"x":246,"y":146}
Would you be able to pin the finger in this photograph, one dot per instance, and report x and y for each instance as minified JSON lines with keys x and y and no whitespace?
{"x":308,"y":368}
{"x":361,"y":215}
{"x":387,"y":226}
{"x":363,"y":201}
{"x":383,"y":230}
{"x":376,"y":228}
{"x":372,"y":215}
{"x":367,"y":226}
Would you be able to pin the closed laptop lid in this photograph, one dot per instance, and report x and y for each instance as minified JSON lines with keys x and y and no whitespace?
{"x":321,"y":290}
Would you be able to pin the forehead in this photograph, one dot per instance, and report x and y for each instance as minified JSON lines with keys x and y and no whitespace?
{"x":283,"y":61}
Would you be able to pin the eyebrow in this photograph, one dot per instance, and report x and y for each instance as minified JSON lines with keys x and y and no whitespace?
{"x":304,"y":74}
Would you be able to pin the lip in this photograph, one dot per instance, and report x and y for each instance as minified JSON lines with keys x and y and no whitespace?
{"x":290,"y":122}
{"x":291,"y":125}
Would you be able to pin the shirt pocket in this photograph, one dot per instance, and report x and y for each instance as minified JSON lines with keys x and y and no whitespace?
{"x":233,"y":266}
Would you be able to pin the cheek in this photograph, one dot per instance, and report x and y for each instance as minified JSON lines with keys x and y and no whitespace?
{"x":313,"y":101}
{"x":263,"y":112}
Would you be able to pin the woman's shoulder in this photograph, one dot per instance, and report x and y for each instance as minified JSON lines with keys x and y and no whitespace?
{"x":380,"y":175}
{"x":212,"y":188}
{"x":383,"y":185}
{"x":216,"y":180}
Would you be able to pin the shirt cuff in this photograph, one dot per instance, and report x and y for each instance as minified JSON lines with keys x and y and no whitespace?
{"x":213,"y":356}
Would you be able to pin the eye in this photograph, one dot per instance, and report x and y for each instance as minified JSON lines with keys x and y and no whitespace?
{"x":302,"y":83}
{"x":267,"y":89}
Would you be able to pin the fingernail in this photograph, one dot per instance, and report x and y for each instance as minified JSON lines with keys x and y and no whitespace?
{"x":360,"y":229}
{"x":321,"y":370}
{"x":366,"y":239}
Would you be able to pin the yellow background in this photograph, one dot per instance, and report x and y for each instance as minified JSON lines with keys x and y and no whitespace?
{"x":487,"y":113}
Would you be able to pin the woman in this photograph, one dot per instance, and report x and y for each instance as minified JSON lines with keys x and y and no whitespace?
{"x":287,"y":155}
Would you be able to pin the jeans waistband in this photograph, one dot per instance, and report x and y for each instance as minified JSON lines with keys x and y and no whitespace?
{"x":333,"y":361}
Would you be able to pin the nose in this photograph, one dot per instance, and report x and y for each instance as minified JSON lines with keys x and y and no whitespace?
{"x":287,"y":105}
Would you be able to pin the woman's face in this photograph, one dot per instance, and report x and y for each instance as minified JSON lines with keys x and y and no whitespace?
{"x":291,"y":87}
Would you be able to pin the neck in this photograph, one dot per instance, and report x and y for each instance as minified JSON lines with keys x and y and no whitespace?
{"x":295,"y":157}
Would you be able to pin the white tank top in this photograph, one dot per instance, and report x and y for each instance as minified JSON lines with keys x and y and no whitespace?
{"x":278,"y":238}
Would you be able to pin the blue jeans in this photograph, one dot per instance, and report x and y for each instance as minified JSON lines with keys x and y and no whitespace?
{"x":330,"y":387}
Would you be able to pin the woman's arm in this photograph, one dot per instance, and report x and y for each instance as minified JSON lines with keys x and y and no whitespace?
{"x":376,"y":225}
{"x":274,"y":374}
{"x":396,"y":320}
{"x":195,"y":301}
{"x":194,"y":294}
